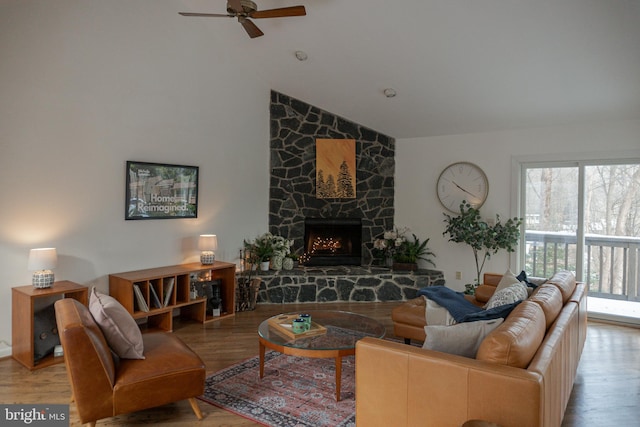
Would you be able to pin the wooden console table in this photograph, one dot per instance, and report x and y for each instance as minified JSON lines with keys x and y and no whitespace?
{"x":177,"y":296}
{"x":23,"y":306}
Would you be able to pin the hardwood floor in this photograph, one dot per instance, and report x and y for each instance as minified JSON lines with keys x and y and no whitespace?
{"x":607,"y":389}
{"x":606,"y":392}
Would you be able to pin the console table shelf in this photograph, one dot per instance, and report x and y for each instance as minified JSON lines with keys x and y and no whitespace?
{"x":171,"y":285}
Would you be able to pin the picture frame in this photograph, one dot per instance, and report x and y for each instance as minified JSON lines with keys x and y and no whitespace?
{"x":160,"y":191}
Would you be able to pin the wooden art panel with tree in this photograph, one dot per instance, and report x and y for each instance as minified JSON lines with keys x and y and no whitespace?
{"x":335,"y":168}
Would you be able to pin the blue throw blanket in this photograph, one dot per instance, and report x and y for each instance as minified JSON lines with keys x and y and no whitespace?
{"x":460,"y":308}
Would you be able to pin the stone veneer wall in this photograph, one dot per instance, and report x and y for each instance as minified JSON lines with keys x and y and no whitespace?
{"x":348,"y":283}
{"x":295,"y":126}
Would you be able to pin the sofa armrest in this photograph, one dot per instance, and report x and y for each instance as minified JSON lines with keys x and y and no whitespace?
{"x":403,"y":385}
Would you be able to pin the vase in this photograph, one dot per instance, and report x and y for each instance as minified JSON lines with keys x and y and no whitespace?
{"x":287,"y":264}
{"x":276,"y":263}
{"x":264,"y":266}
{"x":388,"y":261}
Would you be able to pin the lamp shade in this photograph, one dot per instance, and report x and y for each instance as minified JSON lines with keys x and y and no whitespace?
{"x":208,"y":242}
{"x":42,"y":259}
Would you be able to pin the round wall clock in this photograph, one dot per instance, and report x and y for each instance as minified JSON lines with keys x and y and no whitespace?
{"x":462,"y":181}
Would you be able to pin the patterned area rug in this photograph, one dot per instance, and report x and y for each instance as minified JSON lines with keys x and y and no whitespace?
{"x":295,"y":391}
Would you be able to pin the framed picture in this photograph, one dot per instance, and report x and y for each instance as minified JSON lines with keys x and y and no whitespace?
{"x":161,"y":191}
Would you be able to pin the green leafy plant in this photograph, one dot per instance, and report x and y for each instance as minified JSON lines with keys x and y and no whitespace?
{"x":484,"y":239}
{"x":395,"y":245}
{"x":263,"y":247}
{"x":412,"y":251}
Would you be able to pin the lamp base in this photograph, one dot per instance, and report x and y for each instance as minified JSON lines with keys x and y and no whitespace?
{"x":207,"y":257}
{"x":43,"y":279}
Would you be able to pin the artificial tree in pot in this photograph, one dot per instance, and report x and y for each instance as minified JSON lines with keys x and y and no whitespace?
{"x":484,"y":239}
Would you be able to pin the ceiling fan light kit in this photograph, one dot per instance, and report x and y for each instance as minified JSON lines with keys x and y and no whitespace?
{"x":245,"y":9}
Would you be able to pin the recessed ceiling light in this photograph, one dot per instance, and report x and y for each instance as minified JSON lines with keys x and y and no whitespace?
{"x":389,"y":93}
{"x":301,"y":55}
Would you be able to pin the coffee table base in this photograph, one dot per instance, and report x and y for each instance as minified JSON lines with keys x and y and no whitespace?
{"x":318,"y":354}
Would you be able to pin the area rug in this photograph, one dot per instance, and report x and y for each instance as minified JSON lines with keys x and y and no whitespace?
{"x":294,"y":392}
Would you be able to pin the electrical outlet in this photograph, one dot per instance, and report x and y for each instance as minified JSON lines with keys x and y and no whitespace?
{"x":458,"y":275}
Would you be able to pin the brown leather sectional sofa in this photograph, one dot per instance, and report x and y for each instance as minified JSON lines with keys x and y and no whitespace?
{"x":522,"y":375}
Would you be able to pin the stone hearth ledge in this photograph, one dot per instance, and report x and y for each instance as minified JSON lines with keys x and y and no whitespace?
{"x":343,"y":284}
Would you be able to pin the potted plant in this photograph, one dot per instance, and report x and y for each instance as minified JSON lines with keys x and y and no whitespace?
{"x":267,"y":247}
{"x":260,"y":251}
{"x":485,"y":240}
{"x":410,"y":251}
{"x":400,"y":253}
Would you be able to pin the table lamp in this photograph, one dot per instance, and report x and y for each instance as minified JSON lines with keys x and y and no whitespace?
{"x":207,"y":243}
{"x":41,"y":261}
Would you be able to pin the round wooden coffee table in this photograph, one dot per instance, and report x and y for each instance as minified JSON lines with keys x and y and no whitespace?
{"x":333,"y":335}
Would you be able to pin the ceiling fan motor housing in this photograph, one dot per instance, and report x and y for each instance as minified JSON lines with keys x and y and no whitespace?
{"x":247,"y":7}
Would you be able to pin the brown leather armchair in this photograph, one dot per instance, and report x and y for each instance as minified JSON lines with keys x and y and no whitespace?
{"x":102,"y":388}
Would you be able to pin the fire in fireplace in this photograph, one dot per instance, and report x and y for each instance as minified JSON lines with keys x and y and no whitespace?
{"x":333,"y":241}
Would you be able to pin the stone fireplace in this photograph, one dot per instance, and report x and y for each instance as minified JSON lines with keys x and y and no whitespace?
{"x":294,"y":127}
{"x":333,"y":241}
{"x":342,"y":229}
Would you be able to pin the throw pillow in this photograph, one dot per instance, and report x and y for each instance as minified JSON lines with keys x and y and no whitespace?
{"x":462,"y":339}
{"x":435,"y":314}
{"x":45,"y":332}
{"x":508,"y":279}
{"x":514,"y":293}
{"x":118,"y":326}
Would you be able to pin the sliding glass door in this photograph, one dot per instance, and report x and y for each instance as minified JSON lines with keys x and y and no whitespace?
{"x":584,"y":217}
{"x":551,"y":219}
{"x":612,"y":230}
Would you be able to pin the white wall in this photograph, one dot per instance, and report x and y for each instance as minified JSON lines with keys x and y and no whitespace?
{"x":86,"y":86}
{"x":419,"y":162}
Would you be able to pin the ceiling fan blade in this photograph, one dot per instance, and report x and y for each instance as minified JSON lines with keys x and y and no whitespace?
{"x":279,"y":13}
{"x":208,"y":15}
{"x":250,"y":28}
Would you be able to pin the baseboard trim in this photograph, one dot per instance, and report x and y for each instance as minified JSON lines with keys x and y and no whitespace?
{"x":613,"y":319}
{"x":5,"y":352}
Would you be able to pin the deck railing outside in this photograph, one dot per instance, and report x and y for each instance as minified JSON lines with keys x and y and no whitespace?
{"x":612,"y":263}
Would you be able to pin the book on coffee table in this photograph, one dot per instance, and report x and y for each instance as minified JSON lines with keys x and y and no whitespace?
{"x":282,"y":323}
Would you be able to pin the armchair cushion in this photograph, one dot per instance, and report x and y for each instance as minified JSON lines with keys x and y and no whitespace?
{"x":118,"y":326}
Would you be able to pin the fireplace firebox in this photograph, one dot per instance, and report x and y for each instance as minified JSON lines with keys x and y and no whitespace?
{"x":333,"y":241}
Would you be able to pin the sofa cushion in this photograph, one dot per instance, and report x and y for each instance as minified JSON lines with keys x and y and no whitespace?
{"x":549,"y":298}
{"x":118,"y":326}
{"x":516,"y":340}
{"x":462,"y":339}
{"x":513,"y":293}
{"x":411,"y":312}
{"x":566,"y":282}
{"x":484,"y":293}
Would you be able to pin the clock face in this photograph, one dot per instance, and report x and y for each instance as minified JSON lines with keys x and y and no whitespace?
{"x":462,"y":181}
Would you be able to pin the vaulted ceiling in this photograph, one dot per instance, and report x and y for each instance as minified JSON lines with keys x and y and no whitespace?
{"x":457,"y":66}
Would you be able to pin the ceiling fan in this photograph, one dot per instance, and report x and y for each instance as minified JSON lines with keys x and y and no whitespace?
{"x":245,"y":9}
